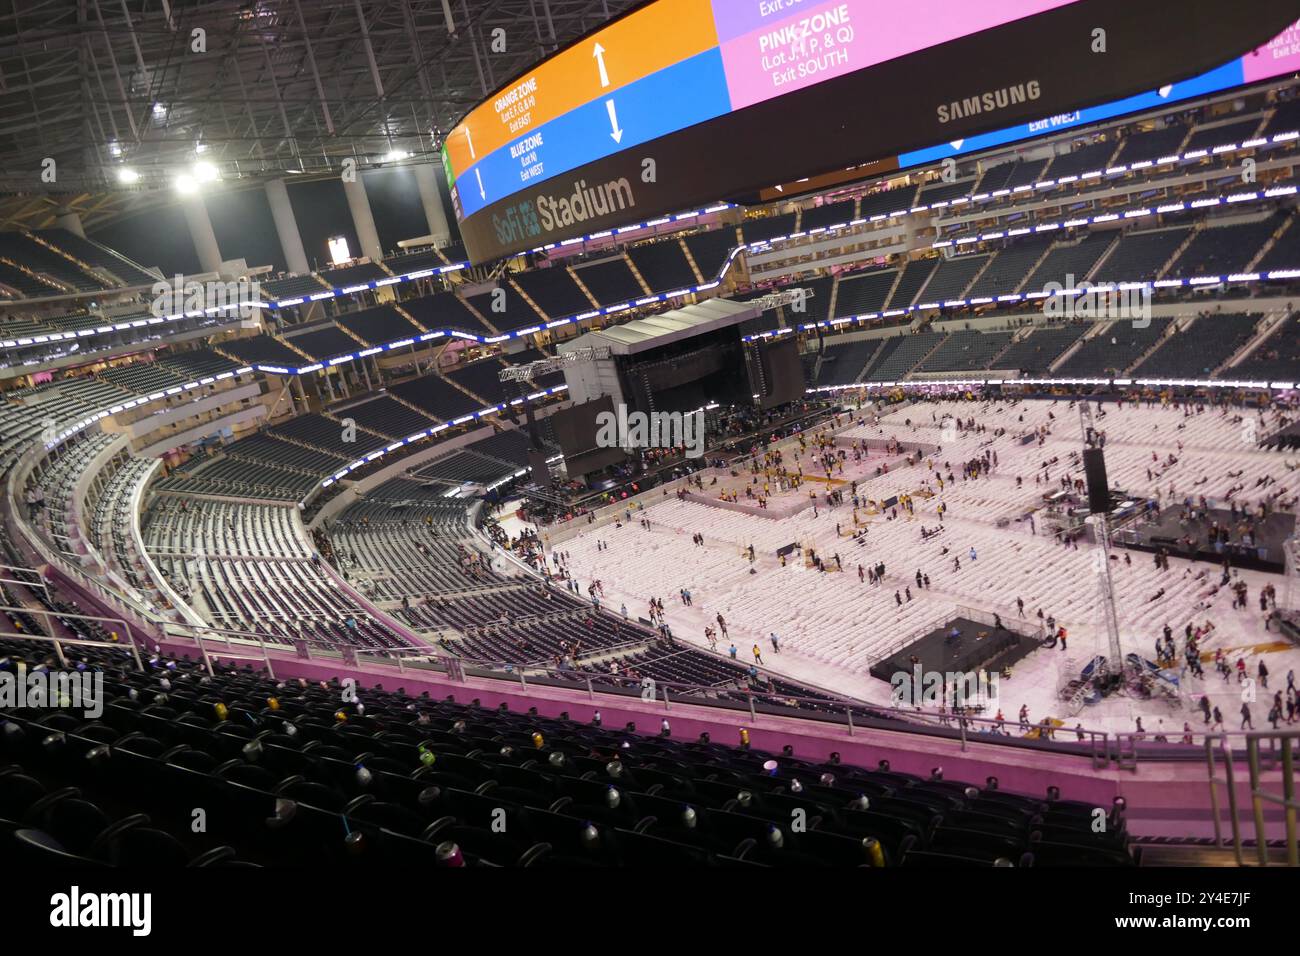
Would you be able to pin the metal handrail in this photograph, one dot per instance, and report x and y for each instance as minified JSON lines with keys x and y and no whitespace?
{"x":58,"y":642}
{"x":38,"y":583}
{"x":1101,"y":746}
{"x":510,"y":670}
{"x":1217,"y":746}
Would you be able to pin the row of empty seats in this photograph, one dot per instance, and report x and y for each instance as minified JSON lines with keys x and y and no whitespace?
{"x":245,"y":567}
{"x":51,"y":262}
{"x":1197,"y":348}
{"x":282,"y":784}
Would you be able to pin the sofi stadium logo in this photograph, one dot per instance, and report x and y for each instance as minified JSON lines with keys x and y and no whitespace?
{"x":585,"y":202}
{"x":990,"y":102}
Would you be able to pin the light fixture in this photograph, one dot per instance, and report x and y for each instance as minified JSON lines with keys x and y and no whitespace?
{"x":338,"y":246}
{"x":115,"y":149}
{"x":396,"y":155}
{"x":200,"y":147}
{"x":127,"y":176}
{"x":206,"y":172}
{"x":159,"y":110}
{"x":186,"y":184}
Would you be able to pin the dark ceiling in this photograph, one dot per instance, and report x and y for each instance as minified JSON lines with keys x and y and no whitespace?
{"x":268,"y":88}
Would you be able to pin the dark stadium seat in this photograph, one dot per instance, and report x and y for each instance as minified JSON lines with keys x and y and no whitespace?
{"x":679,"y":801}
{"x":364,"y":585}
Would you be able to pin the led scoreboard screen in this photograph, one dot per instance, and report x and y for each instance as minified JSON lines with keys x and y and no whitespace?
{"x":684,"y":102}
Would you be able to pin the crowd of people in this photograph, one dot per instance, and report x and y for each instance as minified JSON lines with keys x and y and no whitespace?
{"x":780,"y":464}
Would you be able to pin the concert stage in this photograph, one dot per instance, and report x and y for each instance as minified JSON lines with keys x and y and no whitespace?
{"x":976,"y":647}
{"x":1169,"y":532}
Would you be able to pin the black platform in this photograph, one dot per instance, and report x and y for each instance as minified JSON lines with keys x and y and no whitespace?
{"x":978,"y":646}
{"x":1170,"y":533}
{"x":1288,"y":439}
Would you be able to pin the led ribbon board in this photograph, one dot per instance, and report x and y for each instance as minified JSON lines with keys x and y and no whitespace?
{"x":683,"y":102}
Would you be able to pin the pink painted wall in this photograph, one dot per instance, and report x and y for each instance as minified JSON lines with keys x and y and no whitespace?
{"x":1163,"y":798}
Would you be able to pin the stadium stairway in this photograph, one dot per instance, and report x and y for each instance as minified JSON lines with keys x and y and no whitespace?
{"x":1192,"y":233}
{"x":1068,"y":354}
{"x":1287,"y":224}
{"x":1033,"y":268}
{"x":700,"y":277}
{"x":463,"y":390}
{"x":542,"y":316}
{"x":100,"y":274}
{"x":479,"y":315}
{"x":1263,"y":332}
{"x":397,"y":307}
{"x":645,"y":286}
{"x":1102,"y":259}
{"x":582,"y":287}
{"x":1171,"y":329}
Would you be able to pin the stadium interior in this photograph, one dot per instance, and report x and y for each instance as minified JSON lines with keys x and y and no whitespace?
{"x":317,"y":492}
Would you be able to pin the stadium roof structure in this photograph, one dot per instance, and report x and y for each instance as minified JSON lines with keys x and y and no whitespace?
{"x":658,"y":330}
{"x":260,"y":89}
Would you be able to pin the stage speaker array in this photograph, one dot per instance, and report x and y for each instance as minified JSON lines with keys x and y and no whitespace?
{"x":541,"y":472}
{"x":1094,"y":469}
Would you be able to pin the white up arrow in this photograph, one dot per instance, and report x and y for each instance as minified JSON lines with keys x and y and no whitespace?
{"x":599,"y":54}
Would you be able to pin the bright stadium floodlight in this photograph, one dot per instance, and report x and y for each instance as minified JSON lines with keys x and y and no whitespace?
{"x":186,"y":184}
{"x":396,"y":155}
{"x":127,"y":176}
{"x":206,"y":172}
{"x":338,"y":246}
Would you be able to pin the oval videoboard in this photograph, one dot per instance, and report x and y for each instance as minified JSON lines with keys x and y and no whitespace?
{"x":681,"y":103}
